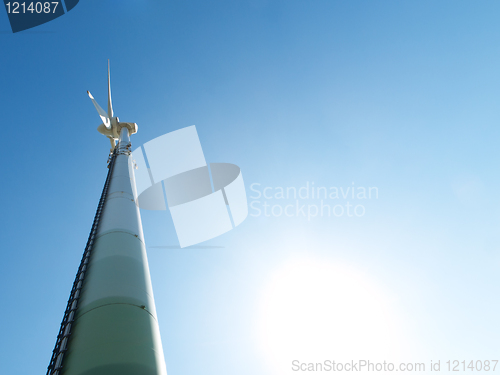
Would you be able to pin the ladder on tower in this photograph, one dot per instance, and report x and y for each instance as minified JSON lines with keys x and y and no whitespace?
{"x":60,"y":348}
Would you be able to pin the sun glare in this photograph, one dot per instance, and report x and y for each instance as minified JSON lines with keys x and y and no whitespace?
{"x":313,"y":311}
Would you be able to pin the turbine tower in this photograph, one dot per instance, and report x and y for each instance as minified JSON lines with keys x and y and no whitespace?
{"x":110,"y":325}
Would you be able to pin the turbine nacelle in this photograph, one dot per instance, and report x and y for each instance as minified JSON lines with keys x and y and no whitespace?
{"x":113,"y":130}
{"x":111,"y":125}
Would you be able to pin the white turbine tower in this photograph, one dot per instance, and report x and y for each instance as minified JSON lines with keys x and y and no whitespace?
{"x":110,"y":325}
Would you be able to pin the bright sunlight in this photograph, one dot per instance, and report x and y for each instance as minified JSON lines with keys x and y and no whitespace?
{"x":313,"y":311}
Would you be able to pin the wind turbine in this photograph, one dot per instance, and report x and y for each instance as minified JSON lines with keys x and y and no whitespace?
{"x":111,"y":125}
{"x":110,"y":325}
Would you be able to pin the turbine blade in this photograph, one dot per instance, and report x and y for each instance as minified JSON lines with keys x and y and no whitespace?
{"x":102,"y":114}
{"x":110,"y":105}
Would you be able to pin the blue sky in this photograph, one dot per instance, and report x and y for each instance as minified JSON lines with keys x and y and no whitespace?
{"x":398,"y":95}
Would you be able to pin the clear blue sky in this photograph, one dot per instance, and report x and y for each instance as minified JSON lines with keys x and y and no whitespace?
{"x":399,"y":95}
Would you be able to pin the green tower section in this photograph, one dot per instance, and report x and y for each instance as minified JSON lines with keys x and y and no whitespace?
{"x":115,"y":329}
